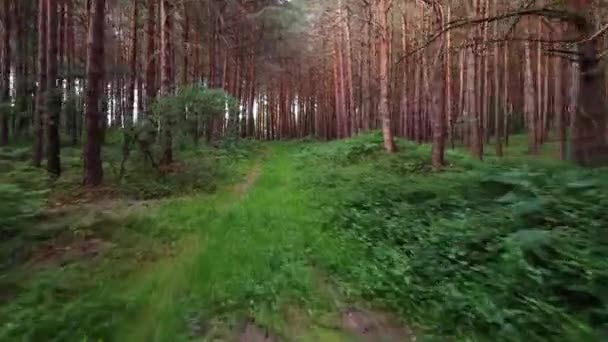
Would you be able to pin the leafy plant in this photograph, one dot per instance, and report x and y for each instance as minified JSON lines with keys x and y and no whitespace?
{"x":494,"y":251}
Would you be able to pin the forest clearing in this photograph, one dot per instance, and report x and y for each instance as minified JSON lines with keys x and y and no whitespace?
{"x":303,"y":170}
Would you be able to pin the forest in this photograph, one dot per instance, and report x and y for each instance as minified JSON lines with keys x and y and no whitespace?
{"x":303,"y":170}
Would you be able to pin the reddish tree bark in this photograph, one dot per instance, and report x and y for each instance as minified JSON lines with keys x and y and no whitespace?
{"x":166,"y":75}
{"x":93,"y":170}
{"x":41,"y":90}
{"x":53,"y":98}
{"x":6,"y":72}
{"x":383,"y":109}
{"x":129,"y":115}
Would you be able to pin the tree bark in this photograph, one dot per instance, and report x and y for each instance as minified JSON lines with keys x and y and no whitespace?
{"x":529,"y":111}
{"x":166,"y":76}
{"x":130,"y":114}
{"x":588,"y":143}
{"x":93,"y":170}
{"x":383,"y":109}
{"x":497,"y":111}
{"x":6,"y":73}
{"x":53,"y":99}
{"x":41,"y":90}
{"x":151,"y":56}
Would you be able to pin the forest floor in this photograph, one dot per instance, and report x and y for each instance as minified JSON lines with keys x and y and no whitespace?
{"x":323,"y":242}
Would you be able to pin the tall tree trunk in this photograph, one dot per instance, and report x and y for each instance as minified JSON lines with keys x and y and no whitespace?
{"x":588,"y":143}
{"x":529,"y":111}
{"x":383,"y":109}
{"x":351,"y":111}
{"x":187,"y":48}
{"x":166,"y":76}
{"x":473,"y":115}
{"x":130,"y":114}
{"x":558,"y":102}
{"x":39,"y":119}
{"x":448,"y":76}
{"x":53,"y":104}
{"x":438,"y":108}
{"x":93,"y":171}
{"x":151,"y":56}
{"x":6,"y":73}
{"x":251,"y":96}
{"x":497,"y":111}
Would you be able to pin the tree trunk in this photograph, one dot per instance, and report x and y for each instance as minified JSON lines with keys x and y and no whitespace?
{"x":166,"y":76}
{"x":6,"y":73}
{"x":472,"y":115}
{"x":558,"y":103}
{"x":588,"y":144}
{"x":497,"y":111}
{"x":383,"y":109}
{"x":41,"y":90}
{"x":438,"y":108}
{"x":93,"y":170}
{"x":151,"y":56}
{"x":529,"y":111}
{"x":130,"y":113}
{"x":53,"y":104}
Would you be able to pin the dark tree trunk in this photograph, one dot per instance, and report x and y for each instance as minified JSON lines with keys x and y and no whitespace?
{"x":151,"y":54}
{"x":53,"y":98}
{"x":41,"y":90}
{"x":166,"y":75}
{"x":93,"y":170}
{"x":6,"y":71}
{"x":588,"y":145}
{"x":129,"y":115}
{"x":383,"y":110}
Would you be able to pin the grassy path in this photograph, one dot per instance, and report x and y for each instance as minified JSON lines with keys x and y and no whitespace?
{"x":247,"y":255}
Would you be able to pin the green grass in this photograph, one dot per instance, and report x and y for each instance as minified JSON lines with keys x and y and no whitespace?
{"x":295,"y":232}
{"x":210,"y":261}
{"x":507,"y":249}
{"x":247,"y":257}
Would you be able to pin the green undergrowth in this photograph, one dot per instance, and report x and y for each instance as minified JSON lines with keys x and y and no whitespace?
{"x":512,"y":249}
{"x":249,"y":258}
{"x":197,"y":168}
{"x":76,"y":271}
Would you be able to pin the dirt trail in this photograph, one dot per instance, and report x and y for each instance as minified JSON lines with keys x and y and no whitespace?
{"x":372,"y":326}
{"x":250,"y":178}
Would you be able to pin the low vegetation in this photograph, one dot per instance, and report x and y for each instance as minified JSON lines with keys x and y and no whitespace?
{"x":510,"y":249}
{"x":505,"y":249}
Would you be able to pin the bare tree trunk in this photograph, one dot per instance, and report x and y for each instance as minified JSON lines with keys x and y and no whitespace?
{"x":558,"y":103}
{"x":506,"y":107}
{"x":438,"y":108}
{"x":404,"y":79}
{"x":53,"y":104}
{"x":6,"y":73}
{"x":529,"y":111}
{"x":448,"y":78}
{"x":166,"y":75}
{"x":472,"y":115}
{"x":462,"y":102}
{"x":588,"y":143}
{"x":41,"y":90}
{"x":497,"y":111}
{"x":93,"y":170}
{"x":383,"y":109}
{"x":133,"y":65}
{"x":187,"y":48}
{"x":151,"y":56}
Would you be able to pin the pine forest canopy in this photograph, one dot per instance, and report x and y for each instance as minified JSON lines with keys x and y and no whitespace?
{"x":440,"y":71}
